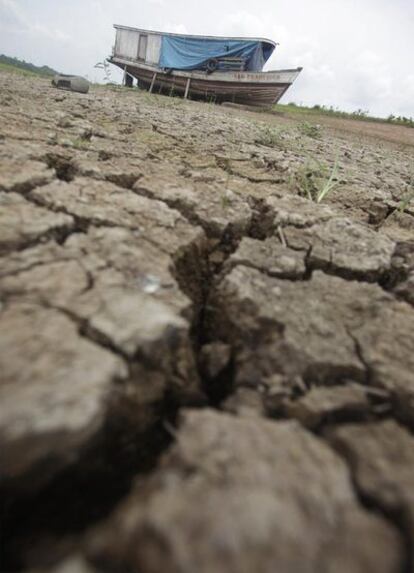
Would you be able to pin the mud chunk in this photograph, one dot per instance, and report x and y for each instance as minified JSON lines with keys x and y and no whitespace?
{"x":329,"y":404}
{"x":279,"y":389}
{"x":341,"y":246}
{"x":325,"y":330}
{"x":385,"y":342}
{"x":277,"y":498}
{"x":64,"y":120}
{"x":291,"y":328}
{"x":100,"y":202}
{"x":405,"y":290}
{"x":121,"y":292}
{"x":117,"y":256}
{"x":46,"y":273}
{"x":22,"y":223}
{"x":245,"y":402}
{"x":256,"y":172}
{"x":270,"y":257}
{"x":121,"y":172}
{"x":142,"y":328}
{"x":291,"y":210}
{"x":381,"y":456}
{"x":22,"y":177}
{"x":220,"y":211}
{"x":402,"y":275}
{"x":402,"y":263}
{"x":103,"y":203}
{"x":377,"y":211}
{"x":399,"y":226}
{"x":55,"y":392}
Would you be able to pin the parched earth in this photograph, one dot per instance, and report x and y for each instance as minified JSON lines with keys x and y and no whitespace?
{"x":202,"y":369}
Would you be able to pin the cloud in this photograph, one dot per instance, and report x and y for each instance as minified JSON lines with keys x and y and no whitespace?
{"x":175,"y":28}
{"x":244,"y":23}
{"x":13,"y":15}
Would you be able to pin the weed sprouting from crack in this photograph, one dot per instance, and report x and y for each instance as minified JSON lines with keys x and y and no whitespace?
{"x":310,"y":130}
{"x":226,"y":200}
{"x":408,"y":197}
{"x":270,"y":137}
{"x":314,"y":180}
{"x":80,"y":143}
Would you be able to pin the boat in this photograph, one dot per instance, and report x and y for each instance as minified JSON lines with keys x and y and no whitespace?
{"x":213,"y":68}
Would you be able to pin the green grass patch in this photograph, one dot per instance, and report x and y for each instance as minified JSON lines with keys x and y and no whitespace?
{"x":15,"y":65}
{"x":318,"y":110}
{"x":310,"y":130}
{"x":14,"y":70}
{"x":315,"y":180}
{"x":270,"y":136}
{"x":408,"y":197}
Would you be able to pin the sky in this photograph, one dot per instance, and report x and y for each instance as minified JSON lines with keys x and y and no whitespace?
{"x":356,"y":54}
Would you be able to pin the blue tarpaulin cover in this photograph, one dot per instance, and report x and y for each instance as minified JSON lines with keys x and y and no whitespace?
{"x":187,"y":53}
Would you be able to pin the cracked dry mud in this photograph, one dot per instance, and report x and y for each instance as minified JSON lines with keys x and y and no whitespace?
{"x":201,"y":370}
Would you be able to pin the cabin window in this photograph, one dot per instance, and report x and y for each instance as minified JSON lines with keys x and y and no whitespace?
{"x":142,"y":47}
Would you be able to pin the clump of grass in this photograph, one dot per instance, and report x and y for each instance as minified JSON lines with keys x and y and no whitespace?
{"x":15,"y":70}
{"x":408,"y":197}
{"x":315,"y":180}
{"x":269,"y":136}
{"x":25,"y":68}
{"x":226,"y":198}
{"x":360,"y":114}
{"x":225,"y":201}
{"x":310,"y":130}
{"x":80,"y":143}
{"x":170,"y":101}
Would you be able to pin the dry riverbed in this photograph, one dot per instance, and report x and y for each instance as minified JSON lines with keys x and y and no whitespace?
{"x":202,"y":369}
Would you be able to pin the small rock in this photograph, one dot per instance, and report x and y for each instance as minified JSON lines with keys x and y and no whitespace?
{"x":245,"y":402}
{"x":65,"y":122}
{"x":405,"y":290}
{"x":377,"y":212}
{"x":269,"y":256}
{"x":50,"y":408}
{"x":151,"y":284}
{"x":22,"y":176}
{"x":329,"y":404}
{"x":21,"y":222}
{"x":341,"y":246}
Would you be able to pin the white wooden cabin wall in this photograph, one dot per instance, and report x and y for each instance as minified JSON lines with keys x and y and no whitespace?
{"x":127,"y":44}
{"x":153,"y":48}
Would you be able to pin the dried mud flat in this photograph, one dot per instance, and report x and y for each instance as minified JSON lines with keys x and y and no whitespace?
{"x":201,"y":370}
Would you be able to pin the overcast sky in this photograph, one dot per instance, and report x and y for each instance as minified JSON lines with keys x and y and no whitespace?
{"x":356,"y":54}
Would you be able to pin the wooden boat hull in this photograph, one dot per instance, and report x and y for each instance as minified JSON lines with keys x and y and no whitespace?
{"x":249,"y":88}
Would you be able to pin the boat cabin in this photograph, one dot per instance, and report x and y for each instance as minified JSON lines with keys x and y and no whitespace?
{"x":186,"y":52}
{"x":210,"y":68}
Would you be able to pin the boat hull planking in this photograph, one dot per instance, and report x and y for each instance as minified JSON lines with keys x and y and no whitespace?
{"x":248,"y":88}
